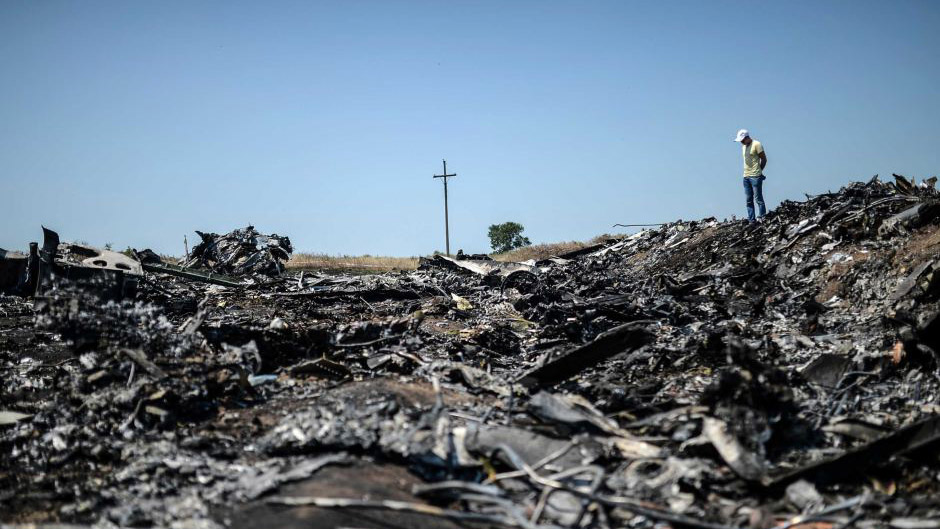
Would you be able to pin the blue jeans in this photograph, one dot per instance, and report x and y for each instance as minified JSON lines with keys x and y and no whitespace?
{"x":752,"y":190}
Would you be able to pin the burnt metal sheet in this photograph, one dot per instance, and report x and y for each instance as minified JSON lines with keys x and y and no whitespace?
{"x":118,"y":274}
{"x":480,"y":267}
{"x":626,"y":337}
{"x":193,"y":274}
{"x":851,"y":464}
{"x":910,"y":281}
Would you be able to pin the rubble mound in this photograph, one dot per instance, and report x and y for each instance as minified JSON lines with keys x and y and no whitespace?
{"x":704,"y":374}
{"x":241,"y":252}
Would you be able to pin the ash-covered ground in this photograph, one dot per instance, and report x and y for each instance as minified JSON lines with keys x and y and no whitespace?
{"x":703,"y":374}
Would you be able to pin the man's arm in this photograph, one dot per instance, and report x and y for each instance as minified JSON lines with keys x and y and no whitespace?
{"x":763,"y":160}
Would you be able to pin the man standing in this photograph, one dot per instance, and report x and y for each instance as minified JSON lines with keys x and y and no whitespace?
{"x":754,"y":161}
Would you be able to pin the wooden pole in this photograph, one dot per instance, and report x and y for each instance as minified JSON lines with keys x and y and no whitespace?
{"x":445,"y":176}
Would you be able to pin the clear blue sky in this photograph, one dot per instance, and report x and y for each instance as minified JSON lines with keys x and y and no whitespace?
{"x":138,"y":122}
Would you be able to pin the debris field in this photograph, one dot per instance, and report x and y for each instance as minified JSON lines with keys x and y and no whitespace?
{"x":704,"y":374}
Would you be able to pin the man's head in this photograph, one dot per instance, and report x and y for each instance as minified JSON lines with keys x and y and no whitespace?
{"x":743,"y":137}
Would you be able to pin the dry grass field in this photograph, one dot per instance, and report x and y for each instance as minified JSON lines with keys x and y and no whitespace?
{"x":546,"y":250}
{"x":376,"y":264}
{"x":363,"y":263}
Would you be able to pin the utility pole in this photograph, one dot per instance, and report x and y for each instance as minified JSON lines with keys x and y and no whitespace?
{"x":445,"y":176}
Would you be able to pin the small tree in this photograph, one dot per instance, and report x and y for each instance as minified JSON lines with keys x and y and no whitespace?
{"x":507,"y":236}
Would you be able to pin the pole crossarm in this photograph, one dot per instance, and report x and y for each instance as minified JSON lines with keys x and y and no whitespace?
{"x":445,"y":176}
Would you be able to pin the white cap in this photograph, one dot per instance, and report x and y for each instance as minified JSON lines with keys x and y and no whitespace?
{"x":743,"y":133}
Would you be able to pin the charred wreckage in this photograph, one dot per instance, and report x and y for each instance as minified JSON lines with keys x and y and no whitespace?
{"x":704,"y":374}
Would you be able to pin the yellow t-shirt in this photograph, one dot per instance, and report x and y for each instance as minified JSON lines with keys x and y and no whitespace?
{"x":751,"y":155}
